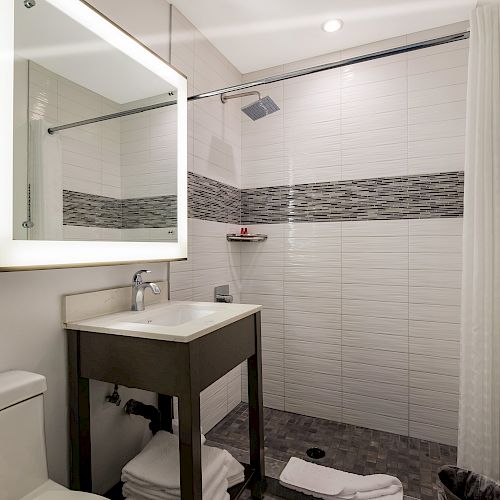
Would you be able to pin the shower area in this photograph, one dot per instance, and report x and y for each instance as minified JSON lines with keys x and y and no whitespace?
{"x":355,"y":175}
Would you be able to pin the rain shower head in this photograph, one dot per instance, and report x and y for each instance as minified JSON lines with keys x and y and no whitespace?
{"x":262,"y":107}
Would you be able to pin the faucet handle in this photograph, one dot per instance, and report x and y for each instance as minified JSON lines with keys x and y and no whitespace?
{"x":137,"y":280}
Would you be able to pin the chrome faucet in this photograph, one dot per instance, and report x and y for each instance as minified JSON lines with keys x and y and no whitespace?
{"x":138,"y":288}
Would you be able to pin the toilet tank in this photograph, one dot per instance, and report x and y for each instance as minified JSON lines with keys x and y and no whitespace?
{"x":23,"y":463}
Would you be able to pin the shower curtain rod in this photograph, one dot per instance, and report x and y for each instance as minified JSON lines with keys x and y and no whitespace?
{"x":278,"y":78}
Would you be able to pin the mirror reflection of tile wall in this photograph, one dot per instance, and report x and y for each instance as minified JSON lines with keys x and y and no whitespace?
{"x":118,"y":176}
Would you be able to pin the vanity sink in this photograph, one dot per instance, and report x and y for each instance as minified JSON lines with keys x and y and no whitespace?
{"x":177,"y":314}
{"x":171,"y":321}
{"x":170,"y":348}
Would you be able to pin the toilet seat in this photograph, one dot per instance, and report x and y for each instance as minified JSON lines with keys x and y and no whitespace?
{"x":54,"y":491}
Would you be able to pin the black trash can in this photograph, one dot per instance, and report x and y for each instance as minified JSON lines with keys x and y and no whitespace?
{"x":455,"y":483}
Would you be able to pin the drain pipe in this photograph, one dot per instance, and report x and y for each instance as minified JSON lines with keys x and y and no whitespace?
{"x":149,"y":412}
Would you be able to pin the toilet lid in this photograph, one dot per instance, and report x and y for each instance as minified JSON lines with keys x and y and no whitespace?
{"x":67,"y":495}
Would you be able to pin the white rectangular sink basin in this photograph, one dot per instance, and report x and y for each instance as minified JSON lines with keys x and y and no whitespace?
{"x":171,"y":321}
{"x":176,"y":314}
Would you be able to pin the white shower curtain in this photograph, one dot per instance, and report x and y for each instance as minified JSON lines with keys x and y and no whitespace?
{"x":479,"y":421}
{"x":45,"y":182}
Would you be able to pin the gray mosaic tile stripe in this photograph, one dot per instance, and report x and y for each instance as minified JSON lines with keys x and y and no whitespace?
{"x":88,"y":210}
{"x":212,"y":200}
{"x":153,"y":211}
{"x":83,"y":209}
{"x":385,"y":198}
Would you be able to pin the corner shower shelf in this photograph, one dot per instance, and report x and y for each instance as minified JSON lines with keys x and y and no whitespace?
{"x":254,"y":238}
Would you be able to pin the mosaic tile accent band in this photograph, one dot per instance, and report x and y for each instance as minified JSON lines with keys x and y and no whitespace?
{"x":213,"y":200}
{"x":152,"y":211}
{"x":384,"y":198}
{"x":82,"y":209}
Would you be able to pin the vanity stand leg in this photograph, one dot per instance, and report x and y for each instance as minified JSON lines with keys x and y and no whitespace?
{"x":166,"y":408}
{"x":79,"y":420}
{"x":190,"y":446}
{"x":256,"y":416}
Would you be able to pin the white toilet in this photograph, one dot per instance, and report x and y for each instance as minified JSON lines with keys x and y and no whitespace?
{"x":23,"y":463}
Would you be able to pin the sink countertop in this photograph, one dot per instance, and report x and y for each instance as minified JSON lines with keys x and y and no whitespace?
{"x":134,"y":323}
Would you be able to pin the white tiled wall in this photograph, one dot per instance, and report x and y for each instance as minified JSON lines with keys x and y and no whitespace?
{"x":91,"y":154}
{"x":148,"y":151}
{"x":398,"y":115}
{"x":130,"y":157}
{"x":360,"y":320}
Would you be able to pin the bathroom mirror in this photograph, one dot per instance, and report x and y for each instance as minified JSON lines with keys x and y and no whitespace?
{"x":111,"y":189}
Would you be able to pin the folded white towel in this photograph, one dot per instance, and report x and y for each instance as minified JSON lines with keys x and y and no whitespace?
{"x":309,"y":478}
{"x":366,"y":487}
{"x":236,"y":471}
{"x":158,"y":464}
{"x":235,"y":474}
{"x":148,"y":435}
{"x":332,"y":484}
{"x":216,"y":488}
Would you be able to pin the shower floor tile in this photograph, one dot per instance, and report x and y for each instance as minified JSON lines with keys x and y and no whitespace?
{"x":354,"y":449}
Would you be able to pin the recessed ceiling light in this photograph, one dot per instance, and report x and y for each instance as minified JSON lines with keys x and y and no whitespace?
{"x":332,"y":25}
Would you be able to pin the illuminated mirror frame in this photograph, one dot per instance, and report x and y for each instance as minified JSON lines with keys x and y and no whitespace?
{"x":28,"y":254}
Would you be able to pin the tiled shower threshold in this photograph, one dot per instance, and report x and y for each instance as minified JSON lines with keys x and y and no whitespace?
{"x":354,"y":449}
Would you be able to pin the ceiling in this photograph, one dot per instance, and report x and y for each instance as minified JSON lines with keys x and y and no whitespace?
{"x":257,"y":34}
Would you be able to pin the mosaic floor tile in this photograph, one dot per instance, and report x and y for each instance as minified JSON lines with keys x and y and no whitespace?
{"x":354,"y":449}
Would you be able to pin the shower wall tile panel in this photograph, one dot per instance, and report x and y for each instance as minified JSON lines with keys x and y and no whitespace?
{"x":396,"y":116}
{"x":360,"y":321}
{"x":357,"y":182}
{"x":408,"y":197}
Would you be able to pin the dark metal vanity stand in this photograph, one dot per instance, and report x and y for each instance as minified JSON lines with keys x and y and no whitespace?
{"x":181,"y":369}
